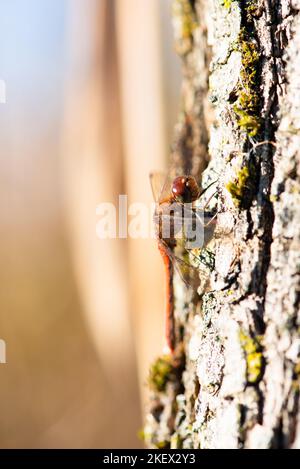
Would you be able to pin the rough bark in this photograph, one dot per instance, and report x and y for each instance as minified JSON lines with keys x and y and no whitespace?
{"x":234,"y":379}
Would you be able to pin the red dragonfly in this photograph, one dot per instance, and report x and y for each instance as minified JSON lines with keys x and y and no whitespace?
{"x":179,"y":223}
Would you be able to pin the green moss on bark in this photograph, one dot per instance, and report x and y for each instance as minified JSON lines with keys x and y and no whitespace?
{"x":247,"y":105}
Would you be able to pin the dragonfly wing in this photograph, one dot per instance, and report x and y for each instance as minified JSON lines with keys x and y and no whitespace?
{"x":181,"y":262}
{"x":161,"y":183}
{"x":199,"y":227}
{"x":157,"y":181}
{"x":169,"y":219}
{"x":193,"y":228}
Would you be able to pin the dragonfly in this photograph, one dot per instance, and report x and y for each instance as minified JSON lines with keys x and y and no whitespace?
{"x":180,"y":221}
{"x":179,"y":224}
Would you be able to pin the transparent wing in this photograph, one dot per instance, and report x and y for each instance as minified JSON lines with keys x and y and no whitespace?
{"x":191,"y":265}
{"x":181,"y":262}
{"x":161,"y":184}
{"x":192,"y":228}
{"x":157,"y":181}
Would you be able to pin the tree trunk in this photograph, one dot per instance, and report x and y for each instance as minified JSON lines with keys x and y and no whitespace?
{"x":233,"y":382}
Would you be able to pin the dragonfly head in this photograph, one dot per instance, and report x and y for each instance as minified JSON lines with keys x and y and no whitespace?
{"x":185,"y":189}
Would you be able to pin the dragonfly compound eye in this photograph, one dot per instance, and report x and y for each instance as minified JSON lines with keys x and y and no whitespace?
{"x":186,"y":189}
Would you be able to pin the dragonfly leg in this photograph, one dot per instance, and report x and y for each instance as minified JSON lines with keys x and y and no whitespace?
{"x":209,"y":186}
{"x":259,"y":144}
{"x":211,"y":220}
{"x":209,"y":199}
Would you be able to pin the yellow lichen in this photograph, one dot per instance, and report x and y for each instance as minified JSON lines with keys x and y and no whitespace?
{"x":252,"y":9}
{"x":176,"y":441}
{"x":141,"y":434}
{"x":167,"y":368}
{"x":296,"y":377}
{"x":160,"y":373}
{"x":297,"y":369}
{"x":227,"y":3}
{"x":274,"y":198}
{"x":247,"y":106}
{"x":295,"y":385}
{"x":162,"y":444}
{"x":254,"y":357}
{"x":185,"y":22}
{"x":237,"y":187}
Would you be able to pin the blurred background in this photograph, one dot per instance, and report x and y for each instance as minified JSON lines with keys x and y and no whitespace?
{"x":92,"y":96}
